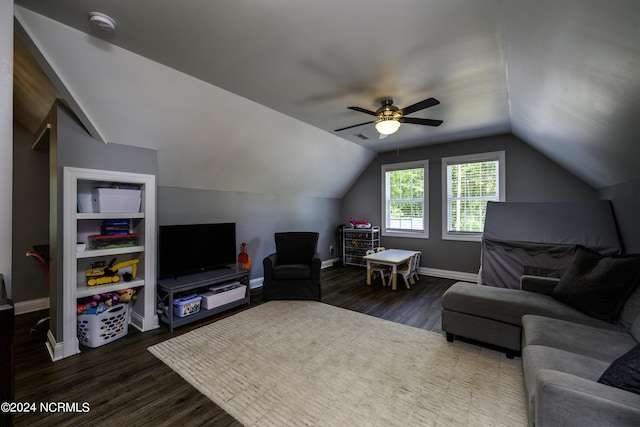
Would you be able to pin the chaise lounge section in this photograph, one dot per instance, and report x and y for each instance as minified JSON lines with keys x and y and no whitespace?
{"x":578,"y":335}
{"x":494,"y":315}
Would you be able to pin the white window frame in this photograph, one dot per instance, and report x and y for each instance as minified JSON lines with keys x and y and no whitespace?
{"x":470,"y":158}
{"x":420,"y":234}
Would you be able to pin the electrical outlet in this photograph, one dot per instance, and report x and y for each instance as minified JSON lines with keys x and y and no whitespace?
{"x":331,"y":249}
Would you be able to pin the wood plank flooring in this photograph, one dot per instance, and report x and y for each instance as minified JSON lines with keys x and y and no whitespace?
{"x":125,"y":385}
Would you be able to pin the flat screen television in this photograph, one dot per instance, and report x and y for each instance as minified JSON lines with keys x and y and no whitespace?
{"x":193,"y":248}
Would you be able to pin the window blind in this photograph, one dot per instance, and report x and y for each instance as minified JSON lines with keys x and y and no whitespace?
{"x":469,"y":187}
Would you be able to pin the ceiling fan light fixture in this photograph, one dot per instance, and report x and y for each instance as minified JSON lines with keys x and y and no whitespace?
{"x":387,"y":127}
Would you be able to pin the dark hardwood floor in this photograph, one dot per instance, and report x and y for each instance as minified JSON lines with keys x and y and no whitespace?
{"x":124,"y":384}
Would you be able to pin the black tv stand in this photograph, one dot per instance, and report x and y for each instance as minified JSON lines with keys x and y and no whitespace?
{"x":171,"y":289}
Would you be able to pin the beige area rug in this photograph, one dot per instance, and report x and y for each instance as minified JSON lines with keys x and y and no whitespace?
{"x":307,"y":363}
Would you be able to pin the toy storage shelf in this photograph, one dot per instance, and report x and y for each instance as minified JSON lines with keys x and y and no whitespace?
{"x":80,"y":222}
{"x":93,"y":253}
{"x":110,"y":215}
{"x":171,"y":289}
{"x":356,"y":242}
{"x":87,"y":291}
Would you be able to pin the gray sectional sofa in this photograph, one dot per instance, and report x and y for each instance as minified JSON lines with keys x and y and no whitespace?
{"x":569,"y":356}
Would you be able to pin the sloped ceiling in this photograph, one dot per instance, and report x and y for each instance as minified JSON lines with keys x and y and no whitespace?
{"x":245,"y":96}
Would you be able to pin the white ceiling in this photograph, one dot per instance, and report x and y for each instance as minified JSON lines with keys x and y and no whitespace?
{"x":244,"y":95}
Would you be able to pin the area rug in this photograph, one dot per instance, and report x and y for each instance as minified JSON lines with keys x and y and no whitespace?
{"x":304,"y":363}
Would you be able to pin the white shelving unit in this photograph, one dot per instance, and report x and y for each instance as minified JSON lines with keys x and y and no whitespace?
{"x":78,"y":226}
{"x":356,"y":242}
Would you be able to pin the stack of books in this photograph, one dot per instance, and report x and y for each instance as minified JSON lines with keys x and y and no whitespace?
{"x":114,"y":233}
{"x":115,"y":227}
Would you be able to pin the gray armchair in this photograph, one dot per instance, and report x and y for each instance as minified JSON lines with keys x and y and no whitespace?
{"x":293,"y":271}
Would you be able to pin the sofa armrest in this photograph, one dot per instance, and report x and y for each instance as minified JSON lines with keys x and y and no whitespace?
{"x":268,"y":263}
{"x":316,"y":267}
{"x":567,"y":400}
{"x":538,"y":284}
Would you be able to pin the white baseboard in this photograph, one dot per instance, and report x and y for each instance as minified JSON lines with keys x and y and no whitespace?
{"x":329,"y":263}
{"x":56,"y":350}
{"x":24,"y":307}
{"x":449,"y":274}
{"x":256,"y":283}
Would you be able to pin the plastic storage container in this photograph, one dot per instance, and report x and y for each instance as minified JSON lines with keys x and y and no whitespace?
{"x":98,"y":241}
{"x":99,"y":329}
{"x":221,"y":295}
{"x":115,"y":200}
{"x":186,"y":306}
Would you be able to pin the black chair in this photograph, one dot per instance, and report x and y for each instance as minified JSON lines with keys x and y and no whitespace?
{"x":293,"y":271}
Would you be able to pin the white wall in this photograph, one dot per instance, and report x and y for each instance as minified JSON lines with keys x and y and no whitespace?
{"x":6,"y":136}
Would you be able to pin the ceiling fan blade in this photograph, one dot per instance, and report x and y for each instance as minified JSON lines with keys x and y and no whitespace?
{"x":417,"y":121}
{"x":360,"y":124}
{"x":362,"y":110}
{"x":430,"y":102}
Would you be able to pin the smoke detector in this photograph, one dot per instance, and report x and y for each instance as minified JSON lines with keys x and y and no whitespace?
{"x":102,"y":22}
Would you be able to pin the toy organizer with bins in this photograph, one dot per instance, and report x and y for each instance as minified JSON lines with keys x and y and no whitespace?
{"x":87,"y":246}
{"x":356,"y":242}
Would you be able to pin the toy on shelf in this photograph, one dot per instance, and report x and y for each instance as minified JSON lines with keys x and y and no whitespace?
{"x":99,"y":273}
{"x":243,"y":257}
{"x":359,"y":223}
{"x":101,"y":302}
{"x":127,"y":295}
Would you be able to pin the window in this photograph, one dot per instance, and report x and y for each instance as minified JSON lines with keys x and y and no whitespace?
{"x":404,"y":199}
{"x":469,"y":182}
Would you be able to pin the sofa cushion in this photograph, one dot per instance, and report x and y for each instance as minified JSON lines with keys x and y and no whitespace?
{"x":624,"y":372}
{"x":291,"y":272}
{"x":509,"y":305}
{"x":296,"y":247}
{"x":598,"y":285}
{"x":601,"y":344}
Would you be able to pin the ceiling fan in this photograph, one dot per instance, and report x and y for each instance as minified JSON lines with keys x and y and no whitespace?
{"x":390,"y":117}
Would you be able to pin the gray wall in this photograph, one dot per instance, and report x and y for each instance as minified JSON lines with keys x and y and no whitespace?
{"x":530,"y":177}
{"x":30,"y":214}
{"x":626,"y":207}
{"x":257,"y":217}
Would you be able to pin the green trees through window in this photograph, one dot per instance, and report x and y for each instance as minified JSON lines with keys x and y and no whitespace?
{"x":405,"y":199}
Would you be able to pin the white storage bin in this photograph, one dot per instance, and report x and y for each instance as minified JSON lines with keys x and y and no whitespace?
{"x":115,"y":200}
{"x":85,"y":204}
{"x":95,"y":330}
{"x":218,"y":296}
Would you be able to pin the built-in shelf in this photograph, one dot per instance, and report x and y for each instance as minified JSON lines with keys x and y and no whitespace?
{"x":87,"y":291}
{"x":114,"y":215}
{"x":79,"y":225}
{"x":92,"y":253}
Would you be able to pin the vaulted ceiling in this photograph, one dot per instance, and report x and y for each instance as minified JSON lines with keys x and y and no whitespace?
{"x":245,"y":95}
